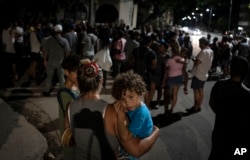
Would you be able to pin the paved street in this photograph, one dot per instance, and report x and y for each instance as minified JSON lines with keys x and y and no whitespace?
{"x":182,"y":136}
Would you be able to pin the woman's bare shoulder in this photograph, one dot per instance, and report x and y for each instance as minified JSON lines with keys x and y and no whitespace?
{"x":110,"y":119}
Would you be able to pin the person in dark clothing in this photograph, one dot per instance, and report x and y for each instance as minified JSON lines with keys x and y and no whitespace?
{"x":229,"y":100}
{"x":214,"y":47}
{"x":144,"y":60}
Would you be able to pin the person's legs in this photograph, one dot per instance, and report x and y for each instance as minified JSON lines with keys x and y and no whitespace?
{"x":151,"y":92}
{"x":200,"y":98}
{"x":185,"y":80}
{"x":146,"y":99}
{"x":117,"y":67}
{"x":159,"y":94}
{"x":196,"y":98}
{"x":60,"y":75}
{"x":197,"y":86}
{"x":48,"y":82}
{"x":32,"y":72}
{"x":174,"y":97}
{"x":167,"y":97}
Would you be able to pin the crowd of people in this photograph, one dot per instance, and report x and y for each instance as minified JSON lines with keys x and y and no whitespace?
{"x":141,"y":60}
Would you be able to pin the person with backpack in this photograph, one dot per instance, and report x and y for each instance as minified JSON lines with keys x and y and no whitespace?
{"x":66,"y":94}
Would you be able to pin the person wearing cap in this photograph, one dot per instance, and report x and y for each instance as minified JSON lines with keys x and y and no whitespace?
{"x":202,"y":64}
{"x":54,"y":51}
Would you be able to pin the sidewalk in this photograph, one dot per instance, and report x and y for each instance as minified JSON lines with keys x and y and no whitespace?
{"x":18,"y":138}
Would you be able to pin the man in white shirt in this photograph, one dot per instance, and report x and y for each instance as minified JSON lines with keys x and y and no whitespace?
{"x":202,"y":64}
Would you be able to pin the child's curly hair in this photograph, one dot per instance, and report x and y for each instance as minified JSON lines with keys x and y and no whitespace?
{"x":128,"y":81}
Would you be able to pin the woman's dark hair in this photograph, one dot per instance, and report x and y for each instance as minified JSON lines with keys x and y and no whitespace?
{"x":104,"y":36}
{"x":128,"y":81}
{"x":89,"y":77}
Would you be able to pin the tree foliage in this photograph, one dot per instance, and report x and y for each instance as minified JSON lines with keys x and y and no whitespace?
{"x":182,"y":8}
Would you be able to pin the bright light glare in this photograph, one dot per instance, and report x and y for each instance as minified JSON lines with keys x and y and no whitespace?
{"x":185,"y":29}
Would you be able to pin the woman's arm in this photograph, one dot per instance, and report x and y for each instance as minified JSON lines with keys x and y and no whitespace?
{"x":134,"y":146}
{"x":122,"y":123}
{"x":137,"y":147}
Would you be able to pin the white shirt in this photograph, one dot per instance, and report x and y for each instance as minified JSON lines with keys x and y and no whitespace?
{"x":34,"y":43}
{"x":7,"y":40}
{"x":200,"y":71}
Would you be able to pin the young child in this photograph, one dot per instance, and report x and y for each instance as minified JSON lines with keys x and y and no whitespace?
{"x":128,"y":89}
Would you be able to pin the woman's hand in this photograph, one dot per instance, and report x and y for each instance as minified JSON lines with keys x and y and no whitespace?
{"x":119,"y":107}
{"x":122,"y":123}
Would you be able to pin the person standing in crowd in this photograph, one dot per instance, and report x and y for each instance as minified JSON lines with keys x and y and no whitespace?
{"x":36,"y":37}
{"x":93,"y":121}
{"x":187,"y":43}
{"x":209,"y":38}
{"x":18,"y":41}
{"x":244,"y":48}
{"x":128,"y":89}
{"x":144,"y":62}
{"x":54,"y":51}
{"x":102,"y":57}
{"x":66,"y":94}
{"x":202,"y":64}
{"x":88,"y":43}
{"x":214,"y":47}
{"x":229,"y":100}
{"x":184,"y":53}
{"x":225,"y":55}
{"x":118,"y":52}
{"x":131,"y":44}
{"x":9,"y":50}
{"x":71,"y":36}
{"x":173,"y":78}
{"x":157,"y":76}
{"x":92,"y":33}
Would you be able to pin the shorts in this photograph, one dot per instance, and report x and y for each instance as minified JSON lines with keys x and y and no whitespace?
{"x":174,"y":81}
{"x":225,"y":63}
{"x":196,"y":83}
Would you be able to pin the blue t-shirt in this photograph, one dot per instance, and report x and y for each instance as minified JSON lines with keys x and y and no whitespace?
{"x":141,"y":123}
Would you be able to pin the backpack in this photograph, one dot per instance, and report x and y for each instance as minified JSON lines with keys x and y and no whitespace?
{"x":59,"y":98}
